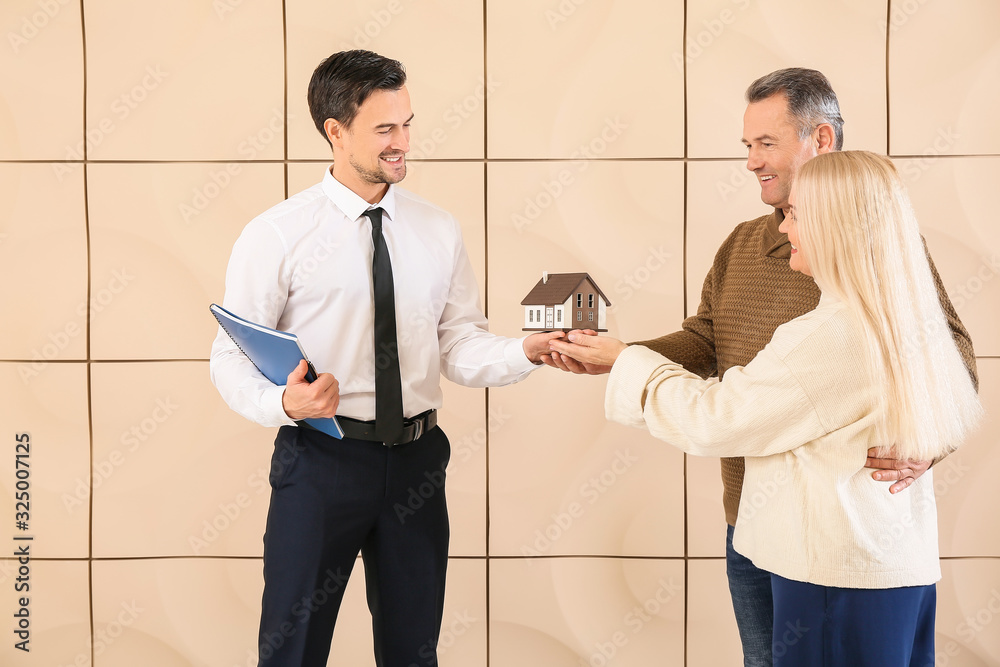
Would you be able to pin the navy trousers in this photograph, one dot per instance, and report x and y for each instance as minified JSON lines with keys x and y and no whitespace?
{"x":330,"y":500}
{"x":823,"y":626}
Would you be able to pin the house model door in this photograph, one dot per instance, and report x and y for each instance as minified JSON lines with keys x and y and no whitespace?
{"x":549,"y":323}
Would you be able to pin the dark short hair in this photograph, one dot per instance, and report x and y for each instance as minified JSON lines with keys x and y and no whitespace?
{"x":811,"y":100}
{"x":342,"y":83}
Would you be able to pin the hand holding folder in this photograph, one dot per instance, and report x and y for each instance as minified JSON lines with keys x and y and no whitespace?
{"x":275,"y":354}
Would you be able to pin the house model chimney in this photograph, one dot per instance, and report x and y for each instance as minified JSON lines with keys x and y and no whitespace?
{"x":545,"y":277}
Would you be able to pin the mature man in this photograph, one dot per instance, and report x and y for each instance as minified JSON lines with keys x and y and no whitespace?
{"x":792,"y":115}
{"x":340,"y":264}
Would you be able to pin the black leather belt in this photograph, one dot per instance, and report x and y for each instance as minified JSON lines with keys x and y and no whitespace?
{"x":412,"y":428}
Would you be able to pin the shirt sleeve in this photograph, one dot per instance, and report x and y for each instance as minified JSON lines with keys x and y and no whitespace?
{"x":470,"y":354}
{"x":757,"y":410}
{"x":256,"y":289}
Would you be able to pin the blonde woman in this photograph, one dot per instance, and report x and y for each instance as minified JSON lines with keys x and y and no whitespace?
{"x":853,"y":567}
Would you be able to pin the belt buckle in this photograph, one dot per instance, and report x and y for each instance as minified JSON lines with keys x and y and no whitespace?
{"x":418,"y":428}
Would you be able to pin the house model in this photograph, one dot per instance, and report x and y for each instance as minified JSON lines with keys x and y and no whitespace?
{"x":565,"y":301}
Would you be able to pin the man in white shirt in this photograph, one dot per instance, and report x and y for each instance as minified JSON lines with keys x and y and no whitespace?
{"x":378,"y":286}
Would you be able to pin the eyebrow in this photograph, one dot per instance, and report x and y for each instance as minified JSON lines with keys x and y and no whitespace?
{"x":763,"y":137}
{"x":385,"y":125}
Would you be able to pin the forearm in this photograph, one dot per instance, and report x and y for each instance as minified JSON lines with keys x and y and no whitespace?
{"x":692,"y":351}
{"x":708,"y":417}
{"x":476,"y":358}
{"x":243,"y":387}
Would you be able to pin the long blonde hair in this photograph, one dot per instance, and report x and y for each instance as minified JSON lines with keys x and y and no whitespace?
{"x":863,"y":245}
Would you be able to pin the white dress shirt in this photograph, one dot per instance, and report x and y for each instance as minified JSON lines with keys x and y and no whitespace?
{"x":304,"y":266}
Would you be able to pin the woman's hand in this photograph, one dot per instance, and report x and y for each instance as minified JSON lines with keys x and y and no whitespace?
{"x":589,"y":349}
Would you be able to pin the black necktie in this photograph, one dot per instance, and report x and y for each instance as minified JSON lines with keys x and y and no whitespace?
{"x":388,"y":388}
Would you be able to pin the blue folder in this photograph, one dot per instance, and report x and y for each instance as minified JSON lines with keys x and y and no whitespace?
{"x":275,"y":354}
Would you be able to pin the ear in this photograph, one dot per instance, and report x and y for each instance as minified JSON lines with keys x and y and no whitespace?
{"x":825,"y":137}
{"x":334,"y":132}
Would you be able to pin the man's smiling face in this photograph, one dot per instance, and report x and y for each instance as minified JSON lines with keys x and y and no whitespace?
{"x":774,"y":150}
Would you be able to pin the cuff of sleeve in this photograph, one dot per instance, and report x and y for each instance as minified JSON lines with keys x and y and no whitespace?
{"x":271,"y":406}
{"x":513,"y":354}
{"x":627,"y":384}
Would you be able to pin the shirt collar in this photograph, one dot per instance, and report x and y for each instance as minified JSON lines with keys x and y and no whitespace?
{"x":351,"y":203}
{"x":774,"y":243}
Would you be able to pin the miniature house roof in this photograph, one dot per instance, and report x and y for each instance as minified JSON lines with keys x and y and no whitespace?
{"x":558,"y":288}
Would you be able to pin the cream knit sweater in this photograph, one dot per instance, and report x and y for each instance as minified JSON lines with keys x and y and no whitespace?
{"x":802,"y":414}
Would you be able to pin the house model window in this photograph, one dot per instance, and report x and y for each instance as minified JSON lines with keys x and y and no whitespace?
{"x":557,"y":302}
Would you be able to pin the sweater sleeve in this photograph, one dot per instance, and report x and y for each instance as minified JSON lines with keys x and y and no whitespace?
{"x":958,"y":331}
{"x":693,"y":347}
{"x":757,"y":410}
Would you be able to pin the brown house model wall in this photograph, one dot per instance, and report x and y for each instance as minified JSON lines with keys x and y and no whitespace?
{"x":565,"y":301}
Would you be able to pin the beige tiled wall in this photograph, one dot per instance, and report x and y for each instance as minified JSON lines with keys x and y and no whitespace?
{"x":137,"y":139}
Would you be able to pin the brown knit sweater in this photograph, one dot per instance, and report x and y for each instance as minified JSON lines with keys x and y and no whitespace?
{"x":748,"y":293}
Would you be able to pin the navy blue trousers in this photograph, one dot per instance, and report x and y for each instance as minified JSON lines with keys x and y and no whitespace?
{"x":823,"y":626}
{"x":330,"y":500}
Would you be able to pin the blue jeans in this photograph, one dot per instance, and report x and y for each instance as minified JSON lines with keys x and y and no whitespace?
{"x":750,"y":588}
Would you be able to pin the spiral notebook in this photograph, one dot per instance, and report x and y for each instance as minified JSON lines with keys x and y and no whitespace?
{"x":275,"y":354}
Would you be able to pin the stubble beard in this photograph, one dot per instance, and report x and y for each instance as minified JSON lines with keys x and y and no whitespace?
{"x":375,"y":176}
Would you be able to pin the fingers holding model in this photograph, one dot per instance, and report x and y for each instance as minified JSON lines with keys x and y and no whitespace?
{"x":536,"y":346}
{"x":588,"y":349}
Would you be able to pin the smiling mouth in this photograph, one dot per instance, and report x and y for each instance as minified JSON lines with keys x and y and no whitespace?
{"x":767,"y":178}
{"x":392,"y":159}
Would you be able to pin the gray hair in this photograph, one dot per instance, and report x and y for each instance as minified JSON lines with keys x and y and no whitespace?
{"x":811,"y":100}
